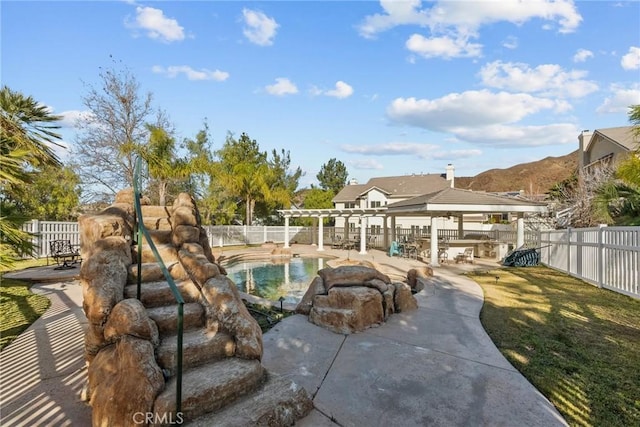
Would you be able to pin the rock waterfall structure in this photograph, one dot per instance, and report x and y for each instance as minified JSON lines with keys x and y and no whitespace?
{"x":131,"y":343}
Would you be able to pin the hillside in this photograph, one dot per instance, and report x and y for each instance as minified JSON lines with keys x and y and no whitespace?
{"x":534,"y":178}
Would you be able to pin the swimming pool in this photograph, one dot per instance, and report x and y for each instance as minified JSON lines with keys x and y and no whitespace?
{"x":275,"y":278}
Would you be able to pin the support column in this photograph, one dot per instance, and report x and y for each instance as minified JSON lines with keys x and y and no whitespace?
{"x":434,"y":242}
{"x":385,"y":233}
{"x":346,"y":229}
{"x":314,"y":227}
{"x":520,"y":231}
{"x":393,"y":228}
{"x":363,"y":235}
{"x":286,"y":231}
{"x":320,"y":233}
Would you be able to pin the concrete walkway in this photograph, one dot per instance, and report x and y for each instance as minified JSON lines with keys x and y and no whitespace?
{"x":435,"y":366}
{"x":43,"y":370}
{"x":431,"y":367}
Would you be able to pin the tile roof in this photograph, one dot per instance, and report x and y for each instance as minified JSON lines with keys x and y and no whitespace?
{"x":395,"y":186}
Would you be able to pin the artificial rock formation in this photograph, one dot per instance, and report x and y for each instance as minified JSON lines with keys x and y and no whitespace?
{"x":352,"y":298}
{"x":128,"y":358}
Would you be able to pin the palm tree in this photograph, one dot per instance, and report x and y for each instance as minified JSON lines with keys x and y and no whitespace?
{"x":160,"y":155}
{"x":26,"y":139}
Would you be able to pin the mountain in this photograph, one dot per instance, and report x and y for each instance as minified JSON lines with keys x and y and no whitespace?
{"x":534,"y":178}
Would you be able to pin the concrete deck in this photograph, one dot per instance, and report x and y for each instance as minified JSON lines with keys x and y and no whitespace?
{"x":431,"y":367}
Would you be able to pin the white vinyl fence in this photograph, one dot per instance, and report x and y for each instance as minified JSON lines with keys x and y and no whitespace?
{"x":45,"y":231}
{"x":608,"y":257}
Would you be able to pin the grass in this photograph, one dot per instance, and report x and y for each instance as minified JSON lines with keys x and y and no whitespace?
{"x":25,"y":263}
{"x":579,"y":345}
{"x":19,"y":308}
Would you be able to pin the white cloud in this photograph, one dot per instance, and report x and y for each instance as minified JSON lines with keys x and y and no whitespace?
{"x":546,"y":79}
{"x":366,"y":164}
{"x":259,"y":28}
{"x":156,"y":25}
{"x":620,"y":100}
{"x":173,"y":71}
{"x":510,"y":42}
{"x":455,"y":14}
{"x":282,"y":87}
{"x":421,"y":150}
{"x":458,"y":154}
{"x":631,"y":61}
{"x":582,"y":55}
{"x":414,"y":149}
{"x":70,"y":118}
{"x":469,"y":109}
{"x":521,"y":136}
{"x":445,"y":47}
{"x":342,"y":90}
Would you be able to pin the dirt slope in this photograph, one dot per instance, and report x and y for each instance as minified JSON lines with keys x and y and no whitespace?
{"x":534,"y":177}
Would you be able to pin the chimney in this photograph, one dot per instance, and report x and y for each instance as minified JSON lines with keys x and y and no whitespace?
{"x":583,"y":139}
{"x":353,"y":181}
{"x":450,"y":175}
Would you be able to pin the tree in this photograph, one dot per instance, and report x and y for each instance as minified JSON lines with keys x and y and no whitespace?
{"x":26,"y":139}
{"x":242,"y":172}
{"x":112,"y":133}
{"x":245,"y":176}
{"x":282,"y":182}
{"x":200,"y":160}
{"x":164,"y":166}
{"x":52,"y":195}
{"x":332,"y":176}
{"x":316,"y":198}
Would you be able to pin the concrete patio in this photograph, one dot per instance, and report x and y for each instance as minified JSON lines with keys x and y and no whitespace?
{"x":435,"y":366}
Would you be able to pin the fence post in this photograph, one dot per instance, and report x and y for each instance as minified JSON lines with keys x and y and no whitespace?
{"x":37,"y":241}
{"x":569,"y":250}
{"x":601,"y":255}
{"x":264,"y":234}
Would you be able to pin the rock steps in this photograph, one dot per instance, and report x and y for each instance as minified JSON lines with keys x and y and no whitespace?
{"x":216,"y":386}
{"x":277,"y":402}
{"x":210,"y":387}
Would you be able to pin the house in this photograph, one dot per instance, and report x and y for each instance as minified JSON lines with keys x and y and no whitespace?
{"x":383,"y":191}
{"x":604,"y":146}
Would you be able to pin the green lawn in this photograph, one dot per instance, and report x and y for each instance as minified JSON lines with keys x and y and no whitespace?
{"x":19,"y":308}
{"x":579,"y":345}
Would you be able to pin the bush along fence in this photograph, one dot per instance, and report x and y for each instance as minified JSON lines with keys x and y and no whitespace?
{"x":607,"y":257}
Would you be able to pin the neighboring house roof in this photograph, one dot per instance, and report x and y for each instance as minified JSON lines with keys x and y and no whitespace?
{"x":622,"y":136}
{"x":350,"y":193}
{"x":457,"y":200}
{"x":395,"y":186}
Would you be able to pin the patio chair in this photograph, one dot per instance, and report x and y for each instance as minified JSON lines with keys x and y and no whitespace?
{"x":466,"y":256}
{"x":394,"y":249}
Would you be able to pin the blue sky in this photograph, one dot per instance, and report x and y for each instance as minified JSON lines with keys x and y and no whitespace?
{"x":388,"y":88}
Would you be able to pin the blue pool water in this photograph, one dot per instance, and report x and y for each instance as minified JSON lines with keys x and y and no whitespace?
{"x":272,"y":279}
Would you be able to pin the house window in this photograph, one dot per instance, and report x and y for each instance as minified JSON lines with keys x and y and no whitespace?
{"x":375,"y":203}
{"x":350,"y":205}
{"x":376,"y":229}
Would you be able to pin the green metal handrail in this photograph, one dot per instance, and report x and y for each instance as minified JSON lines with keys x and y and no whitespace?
{"x":142,"y":230}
